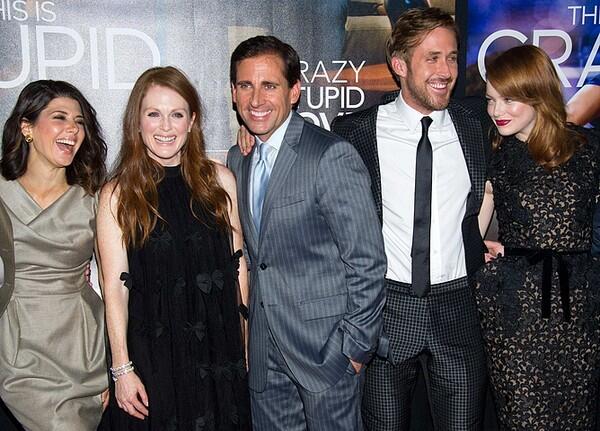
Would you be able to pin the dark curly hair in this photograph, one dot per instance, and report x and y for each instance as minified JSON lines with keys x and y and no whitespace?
{"x":88,"y":169}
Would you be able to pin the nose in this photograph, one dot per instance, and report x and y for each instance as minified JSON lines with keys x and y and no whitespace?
{"x":444,"y":68}
{"x":73,"y":127}
{"x":257,"y":97}
{"x":165,"y":123}
{"x":498,"y":109}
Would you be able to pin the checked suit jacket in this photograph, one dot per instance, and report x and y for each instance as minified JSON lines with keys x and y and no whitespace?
{"x":359,"y":129}
{"x":7,"y":258}
{"x":317,"y":264}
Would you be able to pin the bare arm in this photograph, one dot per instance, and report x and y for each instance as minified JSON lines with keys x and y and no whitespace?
{"x":584,"y":106}
{"x":227,"y":181}
{"x":485,"y":217}
{"x":130,"y":393}
{"x":487,"y":209}
{"x":105,"y":394}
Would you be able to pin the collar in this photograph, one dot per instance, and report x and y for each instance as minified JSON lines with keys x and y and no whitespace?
{"x":277,"y":137}
{"x":412,"y":117}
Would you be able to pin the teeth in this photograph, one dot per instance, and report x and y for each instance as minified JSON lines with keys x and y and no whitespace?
{"x":260,"y":113}
{"x":164,"y":138}
{"x":438,"y":85}
{"x":65,"y":142}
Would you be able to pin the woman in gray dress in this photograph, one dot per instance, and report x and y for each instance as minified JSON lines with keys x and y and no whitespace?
{"x":52,"y":351}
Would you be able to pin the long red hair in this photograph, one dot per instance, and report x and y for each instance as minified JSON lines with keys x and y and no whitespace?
{"x":137,"y":175}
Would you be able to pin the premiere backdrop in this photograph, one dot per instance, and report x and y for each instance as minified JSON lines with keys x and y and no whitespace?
{"x":568,"y":30}
{"x":102,"y":47}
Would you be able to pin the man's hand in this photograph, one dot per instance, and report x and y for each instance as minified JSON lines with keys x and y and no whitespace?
{"x":356,"y":365}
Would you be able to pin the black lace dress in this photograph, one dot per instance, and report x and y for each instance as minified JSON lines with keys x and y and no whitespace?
{"x":184,"y":329}
{"x":540,"y":304}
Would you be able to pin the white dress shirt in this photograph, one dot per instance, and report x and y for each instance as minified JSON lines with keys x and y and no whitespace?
{"x":274,"y":143}
{"x":398,"y":134}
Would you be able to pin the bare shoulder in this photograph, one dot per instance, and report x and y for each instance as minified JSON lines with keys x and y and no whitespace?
{"x":109,"y":194}
{"x":225,"y":177}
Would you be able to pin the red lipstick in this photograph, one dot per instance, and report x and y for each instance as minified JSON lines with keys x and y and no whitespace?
{"x":502,"y":122}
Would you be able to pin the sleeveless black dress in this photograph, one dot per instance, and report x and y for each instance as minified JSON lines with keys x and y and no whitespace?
{"x":184,"y":333}
{"x":540,"y":303}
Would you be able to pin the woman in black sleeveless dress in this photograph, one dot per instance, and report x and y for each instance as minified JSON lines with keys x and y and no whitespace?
{"x":170,"y":243}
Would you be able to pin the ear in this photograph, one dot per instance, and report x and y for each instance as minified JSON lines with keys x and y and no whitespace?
{"x":26,"y":127}
{"x":192,"y":122}
{"x":295,"y":93}
{"x":399,"y":66}
{"x":233,"y":92}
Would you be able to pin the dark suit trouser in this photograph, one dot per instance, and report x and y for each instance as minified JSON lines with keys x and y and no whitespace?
{"x":445,"y":326}
{"x":285,"y":405}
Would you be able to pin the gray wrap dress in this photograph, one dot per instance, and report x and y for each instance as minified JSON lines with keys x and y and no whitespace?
{"x":52,"y":345}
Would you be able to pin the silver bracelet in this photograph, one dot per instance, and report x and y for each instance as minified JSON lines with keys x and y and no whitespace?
{"x":121,"y":370}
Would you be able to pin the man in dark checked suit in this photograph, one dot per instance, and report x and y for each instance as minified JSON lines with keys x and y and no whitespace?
{"x":427,"y":160}
{"x":315,"y":247}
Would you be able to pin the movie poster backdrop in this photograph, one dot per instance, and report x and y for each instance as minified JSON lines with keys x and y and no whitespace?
{"x":102,"y":47}
{"x":567,"y":30}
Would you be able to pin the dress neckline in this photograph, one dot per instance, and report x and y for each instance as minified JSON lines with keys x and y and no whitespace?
{"x":172,"y":171}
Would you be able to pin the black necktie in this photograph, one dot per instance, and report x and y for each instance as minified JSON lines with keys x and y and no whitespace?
{"x":421,"y":280}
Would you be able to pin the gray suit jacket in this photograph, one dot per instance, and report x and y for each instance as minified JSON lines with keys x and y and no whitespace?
{"x":318,"y":263}
{"x":7,"y":258}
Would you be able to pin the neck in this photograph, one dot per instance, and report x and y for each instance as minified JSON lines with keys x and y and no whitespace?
{"x":42,"y":179}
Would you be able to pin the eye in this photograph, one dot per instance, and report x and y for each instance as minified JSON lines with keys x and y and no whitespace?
{"x":488,"y":100}
{"x":59,"y":117}
{"x":508,"y":100}
{"x":243,"y":85}
{"x":453,"y":59}
{"x":80,"y":121}
{"x":270,"y":86}
{"x":153,"y":114}
{"x":178,"y":115}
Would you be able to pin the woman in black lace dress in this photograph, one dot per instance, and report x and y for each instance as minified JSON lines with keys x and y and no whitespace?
{"x":168,"y":232}
{"x":539,"y":299}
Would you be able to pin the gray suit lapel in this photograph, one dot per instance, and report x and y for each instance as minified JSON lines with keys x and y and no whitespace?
{"x":285,"y":159}
{"x":244,"y":198}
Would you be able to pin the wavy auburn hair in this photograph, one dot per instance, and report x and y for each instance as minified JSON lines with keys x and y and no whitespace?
{"x":526,"y":74}
{"x":137,"y":175}
{"x":87,"y":169}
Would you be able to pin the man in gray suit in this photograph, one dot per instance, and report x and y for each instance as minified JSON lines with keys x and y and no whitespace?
{"x":316,"y":252}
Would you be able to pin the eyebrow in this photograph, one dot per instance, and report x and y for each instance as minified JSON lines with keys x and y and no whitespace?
{"x":60,"y":111}
{"x":440,"y":52}
{"x":261,"y":83}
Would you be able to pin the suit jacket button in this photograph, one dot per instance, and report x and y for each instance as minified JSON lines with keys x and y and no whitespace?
{"x":262,"y":305}
{"x":262,"y":266}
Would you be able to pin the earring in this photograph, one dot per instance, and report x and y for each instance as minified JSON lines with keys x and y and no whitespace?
{"x":28,"y":139}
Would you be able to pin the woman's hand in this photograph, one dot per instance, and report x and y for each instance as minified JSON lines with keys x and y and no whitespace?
{"x":495,"y":249}
{"x":131,"y":395}
{"x":245,"y":140}
{"x":105,"y":396}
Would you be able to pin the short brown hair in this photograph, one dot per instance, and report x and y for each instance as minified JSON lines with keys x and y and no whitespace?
{"x":412,"y":27}
{"x":526,"y":74}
